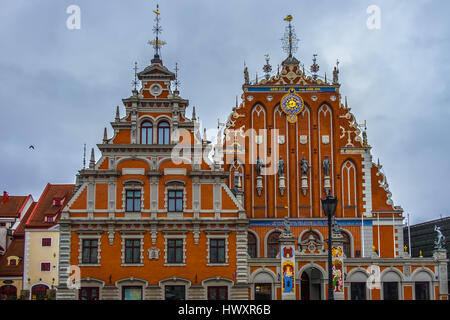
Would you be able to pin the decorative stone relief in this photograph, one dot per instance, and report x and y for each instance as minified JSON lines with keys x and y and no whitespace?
{"x":333,"y":98}
{"x":269,"y":98}
{"x":325,"y":139}
{"x":249,"y":98}
{"x":281,"y":139}
{"x":153,"y":253}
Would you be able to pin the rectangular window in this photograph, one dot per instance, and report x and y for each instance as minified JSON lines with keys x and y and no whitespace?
{"x":175,"y":251}
{"x":175,"y":293}
{"x":133,"y":201}
{"x":217,"y":250}
{"x":45,"y":266}
{"x":133,"y":251}
{"x":175,"y":200}
{"x":131,"y":293}
{"x":46,"y":242}
{"x":217,"y":293}
{"x":90,"y":251}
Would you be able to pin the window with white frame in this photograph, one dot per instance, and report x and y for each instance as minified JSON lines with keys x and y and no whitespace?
{"x":217,"y":250}
{"x":132,"y":250}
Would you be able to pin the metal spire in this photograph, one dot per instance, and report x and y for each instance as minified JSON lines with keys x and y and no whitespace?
{"x":156,"y":43}
{"x":105,"y":136}
{"x":267,"y":68}
{"x":117,"y":114}
{"x":84,"y":156}
{"x":176,"y":82}
{"x":314,"y":67}
{"x":135,"y":82}
{"x":92,"y":161}
{"x":289,"y":40}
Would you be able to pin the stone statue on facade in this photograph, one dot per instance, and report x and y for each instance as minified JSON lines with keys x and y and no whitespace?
{"x":281,"y":167}
{"x":326,"y":167}
{"x":246,"y":76}
{"x":258,"y":166}
{"x":304,"y":166}
{"x":287,"y":226}
{"x":440,"y":241}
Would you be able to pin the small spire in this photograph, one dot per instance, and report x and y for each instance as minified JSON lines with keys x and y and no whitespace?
{"x":193,"y":114}
{"x":92,"y":162}
{"x":278,"y":70}
{"x":205,"y":137}
{"x":256,"y":82}
{"x":236,"y":101}
{"x":117,"y":114}
{"x":105,"y":136}
{"x":325,"y":77}
{"x":346,"y":104}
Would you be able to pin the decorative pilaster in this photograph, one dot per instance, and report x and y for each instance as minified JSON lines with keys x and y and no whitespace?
{"x":440,"y":256}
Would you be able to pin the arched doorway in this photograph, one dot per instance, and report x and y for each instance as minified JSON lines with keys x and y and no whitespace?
{"x":39,"y":291}
{"x":311,"y":284}
{"x":8,"y":292}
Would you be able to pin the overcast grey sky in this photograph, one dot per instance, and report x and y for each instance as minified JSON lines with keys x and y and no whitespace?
{"x":59,"y":87}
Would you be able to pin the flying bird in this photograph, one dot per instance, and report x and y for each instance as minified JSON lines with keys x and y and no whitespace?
{"x":31,"y":147}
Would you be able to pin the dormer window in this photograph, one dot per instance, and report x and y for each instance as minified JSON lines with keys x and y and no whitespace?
{"x":146,"y":132}
{"x":49,"y":219}
{"x":13,"y":261}
{"x":57,"y":202}
{"x":163,"y":133}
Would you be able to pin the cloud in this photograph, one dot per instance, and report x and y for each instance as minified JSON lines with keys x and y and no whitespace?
{"x":59,"y":88}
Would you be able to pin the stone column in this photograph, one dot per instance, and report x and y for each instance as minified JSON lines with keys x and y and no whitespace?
{"x":288,"y":266}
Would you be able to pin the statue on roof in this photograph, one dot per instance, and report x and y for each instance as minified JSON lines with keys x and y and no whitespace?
{"x":440,"y":241}
{"x":246,"y":76}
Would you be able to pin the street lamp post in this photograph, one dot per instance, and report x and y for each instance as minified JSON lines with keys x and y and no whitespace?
{"x":329,"y":207}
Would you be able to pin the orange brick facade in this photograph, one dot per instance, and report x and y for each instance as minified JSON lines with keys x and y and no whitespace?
{"x":209,"y":229}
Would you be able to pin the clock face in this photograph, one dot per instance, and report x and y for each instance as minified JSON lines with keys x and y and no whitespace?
{"x":155,"y":89}
{"x":292,"y":104}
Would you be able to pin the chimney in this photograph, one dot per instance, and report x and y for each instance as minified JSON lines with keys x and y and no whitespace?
{"x":5,"y":197}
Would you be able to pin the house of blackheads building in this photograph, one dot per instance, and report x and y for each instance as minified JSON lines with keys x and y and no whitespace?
{"x":154,"y":217}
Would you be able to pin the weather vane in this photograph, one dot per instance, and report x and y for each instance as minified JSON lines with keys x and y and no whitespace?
{"x":156,"y":43}
{"x":290,"y":41}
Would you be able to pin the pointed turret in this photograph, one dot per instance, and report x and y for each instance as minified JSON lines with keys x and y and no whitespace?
{"x":92,"y":161}
{"x":105,"y":136}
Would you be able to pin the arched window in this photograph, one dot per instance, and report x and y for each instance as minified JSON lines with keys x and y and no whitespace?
{"x":163,"y":133}
{"x":146,"y":133}
{"x":273,"y":245}
{"x":39,"y":291}
{"x":346,"y":245}
{"x":251,"y":245}
{"x":8,"y":292}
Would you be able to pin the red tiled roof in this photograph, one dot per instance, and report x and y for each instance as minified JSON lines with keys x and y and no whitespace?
{"x":12,"y":207}
{"x":16,"y":248}
{"x":45,"y":207}
{"x":20,"y":231}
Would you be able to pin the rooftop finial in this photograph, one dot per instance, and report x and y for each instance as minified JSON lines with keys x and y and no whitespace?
{"x":117,"y":114}
{"x":246,"y":76}
{"x":156,"y":43}
{"x":176,"y":82}
{"x":194,"y":117}
{"x":84,"y":156}
{"x":290,"y":40}
{"x":105,"y":136}
{"x":314,"y":67}
{"x":267,"y":68}
{"x":135,"y":81}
